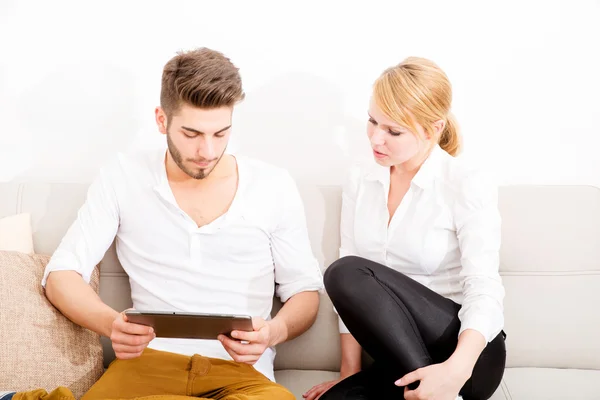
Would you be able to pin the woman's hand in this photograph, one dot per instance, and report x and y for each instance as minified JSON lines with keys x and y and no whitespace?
{"x":437,"y":382}
{"x":317,"y":391}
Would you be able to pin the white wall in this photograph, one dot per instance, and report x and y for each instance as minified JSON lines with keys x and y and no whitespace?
{"x":80,"y":80}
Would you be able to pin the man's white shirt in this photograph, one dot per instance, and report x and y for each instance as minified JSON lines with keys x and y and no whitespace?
{"x":232,"y":265}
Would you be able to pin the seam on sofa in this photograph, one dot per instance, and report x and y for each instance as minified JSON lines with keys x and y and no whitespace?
{"x":505,"y":390}
{"x":550,"y":273}
{"x":19,"y":202}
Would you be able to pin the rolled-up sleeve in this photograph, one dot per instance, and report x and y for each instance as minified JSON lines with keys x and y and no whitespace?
{"x":478,"y":225}
{"x":92,"y":233}
{"x":296,"y":268}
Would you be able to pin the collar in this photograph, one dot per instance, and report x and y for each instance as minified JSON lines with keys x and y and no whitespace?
{"x":424,"y":178}
{"x":163,"y":189}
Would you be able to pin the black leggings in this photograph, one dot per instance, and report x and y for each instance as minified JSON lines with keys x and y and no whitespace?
{"x":403,"y":326}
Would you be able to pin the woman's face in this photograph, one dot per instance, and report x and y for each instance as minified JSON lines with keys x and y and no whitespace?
{"x":392,"y":144}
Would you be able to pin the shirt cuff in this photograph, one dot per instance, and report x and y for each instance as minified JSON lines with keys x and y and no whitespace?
{"x":342,"y":326}
{"x":343,"y":252}
{"x":481,"y":325}
{"x":288,"y":291}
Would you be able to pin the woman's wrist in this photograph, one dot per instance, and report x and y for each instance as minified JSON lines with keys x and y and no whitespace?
{"x":460,"y":367}
{"x":347,"y":370}
{"x":469,"y":348}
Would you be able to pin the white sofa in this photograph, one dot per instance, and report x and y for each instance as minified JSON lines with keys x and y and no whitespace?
{"x":550,"y":264}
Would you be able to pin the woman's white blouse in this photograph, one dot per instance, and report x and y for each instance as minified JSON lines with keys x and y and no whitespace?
{"x":445,"y":234}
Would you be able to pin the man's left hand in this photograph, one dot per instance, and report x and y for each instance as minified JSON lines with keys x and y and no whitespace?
{"x":248,"y":347}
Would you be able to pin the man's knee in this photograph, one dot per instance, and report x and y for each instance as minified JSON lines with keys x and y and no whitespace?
{"x":282,"y":393}
{"x":272,"y":392}
{"x":277,"y":391}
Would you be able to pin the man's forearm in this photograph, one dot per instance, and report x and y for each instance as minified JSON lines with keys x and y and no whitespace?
{"x":295,"y":317}
{"x":77,"y":301}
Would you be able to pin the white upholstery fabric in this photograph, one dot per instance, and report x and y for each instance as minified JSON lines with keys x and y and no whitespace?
{"x":552,"y":384}
{"x":550,"y":263}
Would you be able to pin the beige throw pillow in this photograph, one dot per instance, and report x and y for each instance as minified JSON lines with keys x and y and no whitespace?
{"x":39,"y":347}
{"x":16,"y":233}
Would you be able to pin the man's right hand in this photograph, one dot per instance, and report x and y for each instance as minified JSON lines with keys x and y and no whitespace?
{"x":128,"y":339}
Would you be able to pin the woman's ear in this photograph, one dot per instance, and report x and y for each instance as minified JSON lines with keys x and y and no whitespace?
{"x":438,"y":127}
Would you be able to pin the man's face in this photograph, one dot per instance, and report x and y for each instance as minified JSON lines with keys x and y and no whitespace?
{"x":196,"y":137}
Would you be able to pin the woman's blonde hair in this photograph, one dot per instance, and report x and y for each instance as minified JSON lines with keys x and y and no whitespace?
{"x":418,"y":91}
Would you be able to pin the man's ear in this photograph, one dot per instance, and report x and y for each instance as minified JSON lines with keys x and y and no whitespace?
{"x":161,"y":120}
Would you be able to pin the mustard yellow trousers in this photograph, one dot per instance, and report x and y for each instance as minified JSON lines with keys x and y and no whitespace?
{"x":159,"y":375}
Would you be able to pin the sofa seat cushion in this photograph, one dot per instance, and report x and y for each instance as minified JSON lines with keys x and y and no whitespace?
{"x":299,"y":381}
{"x":552,"y":384}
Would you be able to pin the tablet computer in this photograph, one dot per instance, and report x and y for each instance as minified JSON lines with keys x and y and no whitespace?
{"x":185,"y":325}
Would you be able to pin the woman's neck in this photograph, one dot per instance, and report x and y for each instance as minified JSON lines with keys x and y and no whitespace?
{"x":407,"y":170}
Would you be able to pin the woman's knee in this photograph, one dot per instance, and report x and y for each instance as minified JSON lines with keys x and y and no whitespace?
{"x":341,"y":275}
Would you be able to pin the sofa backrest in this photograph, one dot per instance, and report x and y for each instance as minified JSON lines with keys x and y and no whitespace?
{"x":550,"y":263}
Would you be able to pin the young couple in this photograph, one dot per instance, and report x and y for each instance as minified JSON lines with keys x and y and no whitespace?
{"x":416,"y":285}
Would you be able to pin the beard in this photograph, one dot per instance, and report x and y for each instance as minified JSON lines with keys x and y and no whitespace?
{"x":196,"y":173}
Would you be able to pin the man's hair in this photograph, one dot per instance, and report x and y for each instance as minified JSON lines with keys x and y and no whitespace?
{"x":202,"y":78}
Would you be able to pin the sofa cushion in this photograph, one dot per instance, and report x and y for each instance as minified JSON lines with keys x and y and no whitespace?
{"x":316,"y":349}
{"x":39,"y":347}
{"x":299,"y":381}
{"x":552,"y":384}
{"x":550,"y":266}
{"x":15,"y":233}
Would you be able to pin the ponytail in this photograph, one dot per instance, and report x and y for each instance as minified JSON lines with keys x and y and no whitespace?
{"x":450,"y":138}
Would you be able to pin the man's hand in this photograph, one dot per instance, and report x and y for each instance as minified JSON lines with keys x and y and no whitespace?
{"x":438,"y":381}
{"x":248,"y":347}
{"x":128,"y":339}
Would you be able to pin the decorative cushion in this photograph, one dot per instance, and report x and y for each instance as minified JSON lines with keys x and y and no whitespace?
{"x":15,"y":233}
{"x":39,"y":347}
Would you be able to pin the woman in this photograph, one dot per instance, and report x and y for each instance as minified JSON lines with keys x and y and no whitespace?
{"x":417,"y":284}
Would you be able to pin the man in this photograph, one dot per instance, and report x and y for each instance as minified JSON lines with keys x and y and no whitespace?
{"x":197,"y":230}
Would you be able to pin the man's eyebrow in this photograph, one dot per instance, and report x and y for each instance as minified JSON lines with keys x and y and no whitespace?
{"x":202,"y":133}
